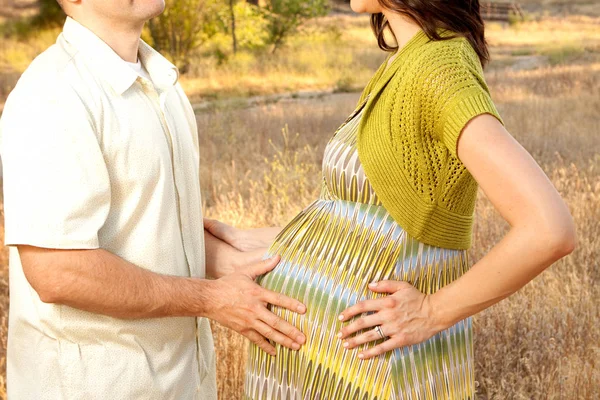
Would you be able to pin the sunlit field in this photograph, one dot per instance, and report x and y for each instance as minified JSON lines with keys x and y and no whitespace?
{"x":261,"y":165}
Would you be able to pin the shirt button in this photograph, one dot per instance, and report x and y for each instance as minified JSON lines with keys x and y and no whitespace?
{"x":172,"y":76}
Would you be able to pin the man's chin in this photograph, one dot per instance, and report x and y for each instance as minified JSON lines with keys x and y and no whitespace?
{"x":158,"y":9}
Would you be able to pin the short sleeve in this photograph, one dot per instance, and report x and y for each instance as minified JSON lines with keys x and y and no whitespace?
{"x":459,"y":93}
{"x":56,"y":184}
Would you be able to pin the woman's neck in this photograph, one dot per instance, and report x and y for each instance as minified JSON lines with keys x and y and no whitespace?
{"x":402,"y":26}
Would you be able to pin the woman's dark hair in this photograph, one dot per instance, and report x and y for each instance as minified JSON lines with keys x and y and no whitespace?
{"x":462,"y":17}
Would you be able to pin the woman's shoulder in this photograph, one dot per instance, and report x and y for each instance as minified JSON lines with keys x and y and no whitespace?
{"x":442,"y":65}
{"x":439,"y":54}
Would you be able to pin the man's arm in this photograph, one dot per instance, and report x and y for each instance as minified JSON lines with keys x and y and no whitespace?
{"x":101,"y":282}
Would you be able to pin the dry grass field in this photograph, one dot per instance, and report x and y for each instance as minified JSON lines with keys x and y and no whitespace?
{"x":261,"y":165}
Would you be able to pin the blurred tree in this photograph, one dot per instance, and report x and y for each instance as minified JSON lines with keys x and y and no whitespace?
{"x":184,"y":26}
{"x":285,"y":17}
{"x":250,"y":30}
{"x":233,"y":36}
{"x":50,"y":14}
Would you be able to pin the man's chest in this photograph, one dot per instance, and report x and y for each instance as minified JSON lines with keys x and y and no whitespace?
{"x":147,"y":140}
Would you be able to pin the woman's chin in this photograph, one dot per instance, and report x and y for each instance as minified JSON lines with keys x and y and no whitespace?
{"x":357,"y":7}
{"x":365,"y":6}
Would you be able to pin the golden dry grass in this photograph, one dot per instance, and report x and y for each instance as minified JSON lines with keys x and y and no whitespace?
{"x":561,"y":7}
{"x":261,"y":165}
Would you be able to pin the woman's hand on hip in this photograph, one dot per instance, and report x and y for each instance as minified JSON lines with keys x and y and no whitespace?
{"x":404,"y":318}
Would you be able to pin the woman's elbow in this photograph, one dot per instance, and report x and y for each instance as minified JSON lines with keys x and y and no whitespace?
{"x":562,"y":241}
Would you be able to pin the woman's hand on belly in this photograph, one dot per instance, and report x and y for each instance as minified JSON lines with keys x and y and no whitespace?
{"x":242,"y":240}
{"x":404,"y":318}
{"x":223,"y":259}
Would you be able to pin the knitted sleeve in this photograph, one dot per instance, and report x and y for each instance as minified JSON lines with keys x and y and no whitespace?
{"x":458,"y":93}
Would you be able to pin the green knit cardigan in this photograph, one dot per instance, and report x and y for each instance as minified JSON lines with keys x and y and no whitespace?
{"x":415,"y":111}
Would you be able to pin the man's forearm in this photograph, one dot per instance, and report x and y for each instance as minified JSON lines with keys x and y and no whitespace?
{"x":101,"y":282}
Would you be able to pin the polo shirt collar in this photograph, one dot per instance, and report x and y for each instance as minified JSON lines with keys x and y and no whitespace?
{"x":111,"y":67}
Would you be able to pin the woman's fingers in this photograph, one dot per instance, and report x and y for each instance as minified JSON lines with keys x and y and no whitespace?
{"x":365,"y":306}
{"x":381,"y":348}
{"x":370,"y":335}
{"x":389,"y":286}
{"x":403,"y":317}
{"x":365,"y":322}
{"x":220,"y":230}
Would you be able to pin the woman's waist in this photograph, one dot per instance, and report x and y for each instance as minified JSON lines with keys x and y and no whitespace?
{"x":327,"y":220}
{"x":347,"y":241}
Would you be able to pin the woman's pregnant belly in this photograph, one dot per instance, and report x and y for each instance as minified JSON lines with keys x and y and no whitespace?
{"x":331,"y":251}
{"x":329,"y":254}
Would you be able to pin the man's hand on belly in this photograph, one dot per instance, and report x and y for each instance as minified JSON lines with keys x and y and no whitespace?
{"x":239,"y":303}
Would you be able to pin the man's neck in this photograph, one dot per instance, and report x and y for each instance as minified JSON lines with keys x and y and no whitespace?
{"x":124,"y":39}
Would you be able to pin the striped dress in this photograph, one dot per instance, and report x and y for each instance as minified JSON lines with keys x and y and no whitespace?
{"x":329,"y":253}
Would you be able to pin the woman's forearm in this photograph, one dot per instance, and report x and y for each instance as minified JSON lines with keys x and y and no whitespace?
{"x":518,"y":258}
{"x":542,"y":229}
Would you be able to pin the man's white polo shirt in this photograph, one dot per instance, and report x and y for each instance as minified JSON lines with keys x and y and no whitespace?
{"x":95,"y":156}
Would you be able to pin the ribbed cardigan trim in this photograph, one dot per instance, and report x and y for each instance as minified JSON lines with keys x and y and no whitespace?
{"x":459,"y":113}
{"x":427,"y":222}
